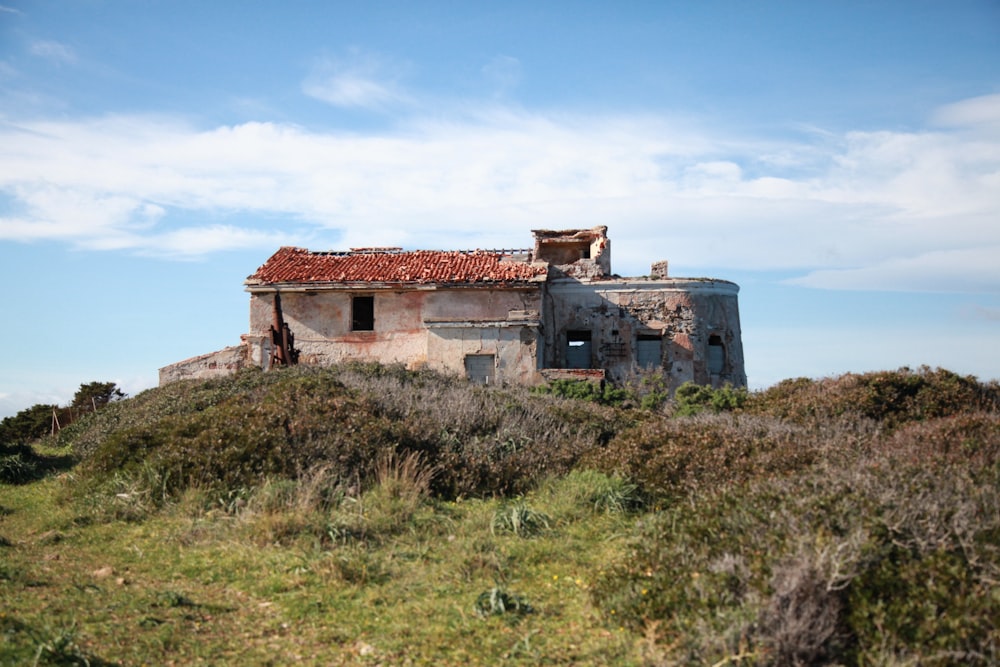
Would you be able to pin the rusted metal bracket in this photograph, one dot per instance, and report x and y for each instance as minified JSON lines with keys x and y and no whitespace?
{"x":283,"y":352}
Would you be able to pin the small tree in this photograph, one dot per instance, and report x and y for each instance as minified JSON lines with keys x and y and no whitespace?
{"x":27,"y":425}
{"x":93,"y":396}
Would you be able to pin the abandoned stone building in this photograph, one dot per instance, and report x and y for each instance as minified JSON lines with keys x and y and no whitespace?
{"x":494,"y":316}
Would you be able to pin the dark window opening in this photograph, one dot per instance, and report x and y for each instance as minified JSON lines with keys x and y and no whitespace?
{"x":363,"y":313}
{"x":480,"y":368}
{"x":578,"y":349}
{"x":649,"y":351}
{"x":716,"y":355}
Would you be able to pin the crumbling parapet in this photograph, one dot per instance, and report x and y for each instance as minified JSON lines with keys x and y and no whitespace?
{"x":221,"y":363}
{"x":584,"y":254}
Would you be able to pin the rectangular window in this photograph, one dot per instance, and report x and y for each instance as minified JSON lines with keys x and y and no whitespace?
{"x":363,"y":313}
{"x":578,"y":349}
{"x":479,"y":368}
{"x":716,"y":355}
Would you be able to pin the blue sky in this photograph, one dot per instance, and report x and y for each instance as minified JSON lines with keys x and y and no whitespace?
{"x":839,"y":160}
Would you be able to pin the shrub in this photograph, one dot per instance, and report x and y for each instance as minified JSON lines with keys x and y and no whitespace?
{"x":966,"y":439}
{"x":891,"y":398}
{"x":856,"y":565}
{"x":21,"y":464}
{"x":233,"y":433}
{"x":691,"y":399}
{"x":18,"y":465}
{"x":604,"y":393}
{"x":278,"y":429}
{"x":668,"y":459}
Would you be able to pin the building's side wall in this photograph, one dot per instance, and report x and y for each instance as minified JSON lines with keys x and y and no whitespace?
{"x":419,"y":327}
{"x":687,"y":316}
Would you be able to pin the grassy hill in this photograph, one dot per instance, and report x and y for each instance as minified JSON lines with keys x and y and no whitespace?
{"x":370,"y":515}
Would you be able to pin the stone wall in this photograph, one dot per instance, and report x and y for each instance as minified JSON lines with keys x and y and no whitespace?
{"x":686,"y":316}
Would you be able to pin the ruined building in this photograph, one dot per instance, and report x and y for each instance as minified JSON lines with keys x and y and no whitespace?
{"x":516,"y":316}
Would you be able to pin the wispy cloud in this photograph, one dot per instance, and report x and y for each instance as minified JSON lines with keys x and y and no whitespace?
{"x":358,"y":80}
{"x":871,"y":210}
{"x":962,"y":270}
{"x":975,"y":112}
{"x":55,"y":51}
{"x":503,"y":73}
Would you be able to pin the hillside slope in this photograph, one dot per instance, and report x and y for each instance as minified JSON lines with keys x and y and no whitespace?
{"x":312,"y":515}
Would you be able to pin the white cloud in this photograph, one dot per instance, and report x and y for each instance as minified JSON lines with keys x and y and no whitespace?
{"x":974,"y":112}
{"x":190,"y":242}
{"x":873,"y":210}
{"x":55,"y":51}
{"x":964,"y":270}
{"x":358,"y":81}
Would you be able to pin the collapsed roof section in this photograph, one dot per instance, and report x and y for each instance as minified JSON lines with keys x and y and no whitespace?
{"x":578,"y":253}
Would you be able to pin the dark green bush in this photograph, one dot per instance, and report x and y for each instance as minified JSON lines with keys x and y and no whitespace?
{"x":934,"y":605}
{"x":691,"y":399}
{"x":604,"y":393}
{"x":27,"y":425}
{"x":19,"y":464}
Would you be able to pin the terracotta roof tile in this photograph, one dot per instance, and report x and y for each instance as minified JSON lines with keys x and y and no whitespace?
{"x":298,"y":265}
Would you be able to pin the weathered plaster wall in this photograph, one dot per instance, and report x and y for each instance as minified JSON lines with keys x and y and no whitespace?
{"x":434,"y":327}
{"x":321,"y":324}
{"x":502,"y":323}
{"x":480,"y":304}
{"x":514,"y":347}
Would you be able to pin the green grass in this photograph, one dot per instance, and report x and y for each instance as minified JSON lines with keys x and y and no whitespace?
{"x":184,"y":586}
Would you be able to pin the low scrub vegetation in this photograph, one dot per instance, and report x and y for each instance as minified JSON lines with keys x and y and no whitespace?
{"x":310,"y":515}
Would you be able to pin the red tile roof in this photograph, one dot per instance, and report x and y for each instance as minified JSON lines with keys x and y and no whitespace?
{"x":298,"y":265}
